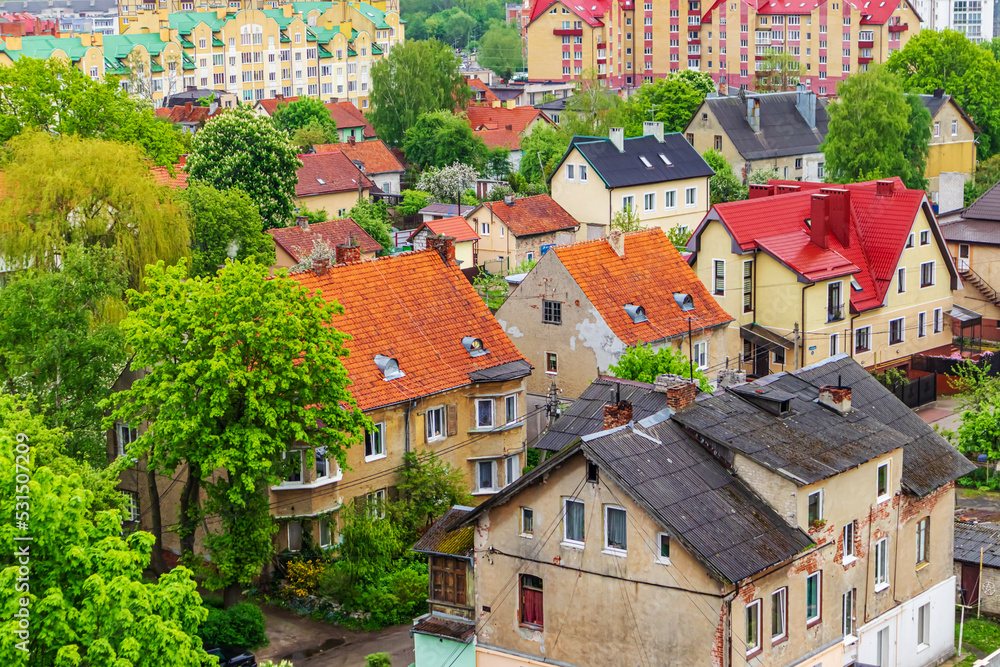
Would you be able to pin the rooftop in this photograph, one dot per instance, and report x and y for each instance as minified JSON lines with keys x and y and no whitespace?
{"x":447,"y":209}
{"x":299,"y":243}
{"x":977,"y":540}
{"x":439,"y":540}
{"x":483,"y":117}
{"x":644,"y":159}
{"x":375,"y":155}
{"x":456,"y":226}
{"x":872,"y":11}
{"x":592,"y":11}
{"x":326,"y":173}
{"x":783,"y":130}
{"x":980,"y":223}
{"x":177,"y":180}
{"x":538,"y":214}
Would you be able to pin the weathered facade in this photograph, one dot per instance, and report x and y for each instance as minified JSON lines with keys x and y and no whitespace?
{"x":519,"y":229}
{"x":973,"y":240}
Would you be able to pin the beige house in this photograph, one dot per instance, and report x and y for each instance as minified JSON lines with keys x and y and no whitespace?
{"x":659,"y":177}
{"x":330,"y":181}
{"x":465,"y":239}
{"x":582,"y":306}
{"x":293,"y":244}
{"x":518,"y":229}
{"x":951,"y":160}
{"x":977,"y":564}
{"x":772,"y":524}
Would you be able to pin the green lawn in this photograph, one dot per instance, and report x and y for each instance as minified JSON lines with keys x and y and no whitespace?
{"x":982,"y":633}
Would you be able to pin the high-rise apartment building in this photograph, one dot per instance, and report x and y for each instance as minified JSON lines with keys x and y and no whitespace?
{"x":976,"y":18}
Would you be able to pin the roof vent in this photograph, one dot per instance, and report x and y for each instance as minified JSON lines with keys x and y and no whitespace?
{"x":685,"y":301}
{"x":855,"y":285}
{"x":637,"y":313}
{"x":389,"y":367}
{"x":474,"y":346}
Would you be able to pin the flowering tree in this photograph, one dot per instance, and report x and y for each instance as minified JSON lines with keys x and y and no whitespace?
{"x":448,"y":183}
{"x":242,"y":149}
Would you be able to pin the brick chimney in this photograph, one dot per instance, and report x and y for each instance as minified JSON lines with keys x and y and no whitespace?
{"x":321,"y":266}
{"x":788,"y":189}
{"x":836,"y":397}
{"x":347,"y":253}
{"x":885,"y":188}
{"x":302,"y":222}
{"x":817,"y":226}
{"x":617,"y":414}
{"x":840,"y":214}
{"x":680,"y":390}
{"x":758,"y":190}
{"x":182,"y":159}
{"x":616,"y":239}
{"x":444,"y":246}
{"x":350,"y":141}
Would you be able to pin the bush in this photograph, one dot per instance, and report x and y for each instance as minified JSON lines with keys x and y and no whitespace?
{"x":303,"y":577}
{"x":239,"y":628}
{"x":378,"y":660}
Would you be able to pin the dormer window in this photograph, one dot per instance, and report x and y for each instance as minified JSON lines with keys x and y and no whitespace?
{"x":474,"y":346}
{"x":637,"y":313}
{"x":389,"y":367}
{"x":645,"y":162}
{"x":685,"y":301}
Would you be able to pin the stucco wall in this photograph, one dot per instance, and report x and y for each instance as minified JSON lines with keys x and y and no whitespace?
{"x":336,"y":205}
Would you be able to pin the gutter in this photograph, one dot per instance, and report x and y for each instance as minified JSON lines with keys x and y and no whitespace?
{"x":800,"y":363}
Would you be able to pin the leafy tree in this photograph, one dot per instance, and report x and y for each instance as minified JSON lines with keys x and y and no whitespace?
{"x":701,"y":81}
{"x":414,"y":78}
{"x":56,"y":97}
{"x":761,"y":175}
{"x":491,"y":287}
{"x":237,"y":629}
{"x":986,"y":176}
{"x":66,"y":190}
{"x":457,"y":27}
{"x":413,"y":201}
{"x":313,"y":134}
{"x":626,"y":220}
{"x":303,"y":112}
{"x":500,"y":48}
{"x":673,"y":101}
{"x":314,"y":217}
{"x":593,"y":110}
{"x":777,"y":72}
{"x":440,"y":138}
{"x":428,"y":488}
{"x":240,"y":149}
{"x":642,"y":363}
{"x":60,"y":344}
{"x":447,"y":184}
{"x":679,"y":235}
{"x":373,"y":217}
{"x":256,"y":346}
{"x":947,"y":59}
{"x":725,"y":185}
{"x":979,"y":401}
{"x":370,"y":543}
{"x":541,"y":152}
{"x":917,"y":143}
{"x":497,"y":163}
{"x":224,"y":225}
{"x":869,"y":130}
{"x":380,"y":659}
{"x":89,"y":603}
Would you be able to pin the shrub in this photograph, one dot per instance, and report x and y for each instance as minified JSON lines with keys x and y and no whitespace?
{"x":239,"y":628}
{"x":378,"y":660}
{"x":303,"y":577}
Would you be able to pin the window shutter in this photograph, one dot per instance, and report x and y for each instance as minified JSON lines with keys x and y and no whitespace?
{"x":360,"y":503}
{"x":452,"y":419}
{"x":426,"y":415}
{"x":393,"y":494}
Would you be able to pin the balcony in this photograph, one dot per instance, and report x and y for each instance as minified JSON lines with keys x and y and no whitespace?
{"x":866,"y":45}
{"x":865,"y":61}
{"x":694,"y":56}
{"x":600,"y":45}
{"x":558,"y":31}
{"x":899,"y":28}
{"x":694,"y":41}
{"x":834,"y":312}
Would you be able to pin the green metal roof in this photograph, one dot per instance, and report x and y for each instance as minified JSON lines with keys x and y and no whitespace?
{"x":44,"y":46}
{"x":217,"y":42}
{"x":308,"y":5}
{"x":119,"y":46}
{"x":279,"y":16}
{"x":374,"y":14}
{"x":185,"y":22}
{"x":323,"y":36}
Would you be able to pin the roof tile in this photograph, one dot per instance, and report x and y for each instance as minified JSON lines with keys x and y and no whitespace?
{"x":457,"y":227}
{"x":539,"y":214}
{"x":298,"y":242}
{"x":375,"y":155}
{"x":324,"y":173}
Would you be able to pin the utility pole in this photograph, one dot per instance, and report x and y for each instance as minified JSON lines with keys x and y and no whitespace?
{"x":652,"y":109}
{"x":551,"y":412}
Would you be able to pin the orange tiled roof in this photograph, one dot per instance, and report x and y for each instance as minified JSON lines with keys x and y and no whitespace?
{"x":649,"y":275}
{"x":271,"y":104}
{"x":178,"y":181}
{"x":539,"y":214}
{"x":188,"y":113}
{"x":414,"y":309}
{"x":456,"y":226}
{"x":499,"y":118}
{"x":298,"y":242}
{"x":375,"y":155}
{"x":326,"y":173}
{"x":348,"y":115}
{"x":500,"y":139}
{"x":480,"y":87}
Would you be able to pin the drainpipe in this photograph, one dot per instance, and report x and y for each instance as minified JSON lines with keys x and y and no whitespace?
{"x":804,"y":327}
{"x":409,"y":408}
{"x":851,"y":342}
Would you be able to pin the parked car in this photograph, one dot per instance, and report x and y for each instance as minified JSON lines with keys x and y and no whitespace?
{"x":241,"y":660}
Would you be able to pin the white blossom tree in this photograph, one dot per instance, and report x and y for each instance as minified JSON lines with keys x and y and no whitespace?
{"x":448,"y":183}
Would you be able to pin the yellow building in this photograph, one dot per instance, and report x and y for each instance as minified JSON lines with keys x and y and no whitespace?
{"x":951,"y":160}
{"x":464,"y":238}
{"x":660,"y":177}
{"x":805,"y":275}
{"x":330,"y":181}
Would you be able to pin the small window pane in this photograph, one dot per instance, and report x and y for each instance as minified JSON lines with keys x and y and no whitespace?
{"x":617,"y":537}
{"x":574,"y":521}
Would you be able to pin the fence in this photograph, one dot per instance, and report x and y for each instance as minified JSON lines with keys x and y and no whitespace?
{"x":918,"y":392}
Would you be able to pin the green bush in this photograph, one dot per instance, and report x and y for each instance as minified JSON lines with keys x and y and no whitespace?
{"x":378,"y":660}
{"x":239,"y":628}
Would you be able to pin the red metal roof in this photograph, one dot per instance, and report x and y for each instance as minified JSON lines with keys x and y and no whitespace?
{"x":872,"y":11}
{"x":326,"y":173}
{"x":592,"y":11}
{"x":348,"y":115}
{"x":298,"y":242}
{"x":456,"y":226}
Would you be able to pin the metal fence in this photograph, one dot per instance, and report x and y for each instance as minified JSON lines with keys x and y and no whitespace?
{"x":918,"y":392}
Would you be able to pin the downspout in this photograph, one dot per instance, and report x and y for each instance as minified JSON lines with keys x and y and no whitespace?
{"x":851,"y":341}
{"x":802,"y":349}
{"x":409,"y":408}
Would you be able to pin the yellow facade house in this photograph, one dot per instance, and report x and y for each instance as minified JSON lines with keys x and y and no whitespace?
{"x":951,"y":160}
{"x":330,"y":181}
{"x":659,"y":177}
{"x":810,"y":271}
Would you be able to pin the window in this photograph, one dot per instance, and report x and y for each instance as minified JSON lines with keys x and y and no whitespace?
{"x":551,"y":312}
{"x":295,"y":467}
{"x":690,"y":196}
{"x":628,"y":203}
{"x":531,"y":601}
{"x":925,"y":237}
{"x":512,"y":469}
{"x":833,"y":344}
{"x":615,"y":533}
{"x":486,"y":476}
{"x":834,"y":302}
{"x":820,"y":170}
{"x":882,"y":564}
{"x":937,"y":128}
{"x":814,"y":588}
{"x":748,"y":286}
{"x":753,"y":628}
{"x":921,"y":324}
{"x":847,"y":611}
{"x":649,"y":202}
{"x":927,"y":274}
{"x":719,"y":276}
{"x":434,"y":422}
{"x":132,"y":503}
{"x":583,"y":172}
{"x":448,"y":580}
{"x":938,"y":323}
{"x":815,"y":511}
{"x":570,"y":172}
{"x":884,"y":487}
{"x":126,"y":436}
{"x":375,"y":442}
{"x":484,"y":413}
{"x":798,"y":164}
{"x":663,"y":548}
{"x":484,"y":228}
{"x":882,"y":648}
{"x":324,"y":533}
{"x":863,"y":339}
{"x":321,"y":462}
{"x":670,"y":199}
{"x":779,"y":356}
{"x":923,"y":530}
{"x":551,"y":363}
{"x":900,"y":280}
{"x":294,"y":529}
{"x":700,"y":351}
{"x":718,"y":142}
{"x":954,"y":128}
{"x":573,"y":521}
{"x":923,"y":626}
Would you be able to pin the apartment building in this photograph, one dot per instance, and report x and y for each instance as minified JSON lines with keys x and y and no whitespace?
{"x":975,"y":18}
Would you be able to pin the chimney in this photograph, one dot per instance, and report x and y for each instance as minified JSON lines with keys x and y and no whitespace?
{"x":212,"y":108}
{"x":938,"y":93}
{"x":654,"y":129}
{"x":836,"y":397}
{"x":617,"y":414}
{"x":839,"y":214}
{"x":509,"y":199}
{"x":788,"y":189}
{"x":885,"y":188}
{"x":616,"y":239}
{"x":617,"y":135}
{"x":805,"y":104}
{"x":729,"y":377}
{"x":680,"y":390}
{"x":164,"y":34}
{"x":817,"y":228}
{"x":348,"y":253}
{"x":753,"y":113}
{"x":758,"y":190}
{"x":302,"y":222}
{"x":182,"y":159}
{"x":321,"y":266}
{"x":350,"y":141}
{"x":444,"y":246}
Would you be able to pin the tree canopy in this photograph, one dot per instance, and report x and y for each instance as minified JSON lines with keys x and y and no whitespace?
{"x":290,"y":116}
{"x":541,"y":152}
{"x":672,"y":100}
{"x":642,"y":363}
{"x":416,"y":77}
{"x":725,"y":185}
{"x":777,"y":72}
{"x":373,"y":217}
{"x":448,"y":184}
{"x":500,"y":48}
{"x":241,"y":149}
{"x":440,"y":138}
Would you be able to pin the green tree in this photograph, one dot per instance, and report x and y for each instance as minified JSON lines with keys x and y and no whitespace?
{"x":66,"y":190}
{"x":500,"y":48}
{"x":725,"y":185}
{"x":457,"y":27}
{"x":761,"y":175}
{"x":313,"y":134}
{"x":979,"y":403}
{"x":224,"y":225}
{"x":947,"y":59}
{"x":626,"y":220}
{"x":303,"y":112}
{"x":448,"y":184}
{"x":88,"y":601}
{"x":440,"y":138}
{"x":241,"y":149}
{"x":673,"y":101}
{"x":917,"y":143}
{"x":701,"y":81}
{"x":491,"y":287}
{"x":373,"y":217}
{"x":56,"y":97}
{"x":413,"y":201}
{"x":413,"y":79}
{"x":428,"y":488}
{"x":256,"y":346}
{"x":679,"y":235}
{"x":869,"y":129}
{"x":593,"y":109}
{"x":778,"y":71}
{"x":642,"y":363}
{"x":60,"y":344}
{"x":541,"y":152}
{"x":986,"y":176}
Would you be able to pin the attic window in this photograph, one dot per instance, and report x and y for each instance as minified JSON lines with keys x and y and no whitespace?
{"x":685,"y":301}
{"x":637,"y":313}
{"x":855,"y":285}
{"x":646,"y":162}
{"x":389,"y":367}
{"x":666,"y":160}
{"x":474,"y":346}
{"x":321,"y":181}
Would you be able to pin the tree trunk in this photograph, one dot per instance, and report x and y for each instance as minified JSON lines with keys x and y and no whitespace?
{"x":190,"y":501}
{"x":158,"y":564}
{"x":232,"y":595}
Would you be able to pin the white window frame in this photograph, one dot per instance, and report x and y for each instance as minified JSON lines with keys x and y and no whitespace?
{"x":325,"y":521}
{"x":302,"y":465}
{"x":954,"y":128}
{"x":493,"y":477}
{"x":847,"y":603}
{"x":647,"y":198}
{"x":484,"y":228}
{"x":527,"y":533}
{"x":581,"y":170}
{"x":856,"y":332}
{"x":547,"y":371}
{"x":818,"y":576}
{"x":693,"y":191}
{"x":121,"y":429}
{"x":881,"y":555}
{"x":376,"y":499}
{"x":834,"y":344}
{"x":442,"y":424}
{"x":493,"y":415}
{"x":660,"y":558}
{"x":808,"y":498}
{"x":753,"y":644}
{"x":670,"y":200}
{"x":925,"y":237}
{"x":782,"y":605}
{"x":923,"y":626}
{"x":132,"y":506}
{"x":377,"y":453}
{"x":922,"y":544}
{"x":716,"y":263}
{"x":938,"y":321}
{"x":628,"y":201}
{"x":703,"y":345}
{"x":566,"y":539}
{"x":608,"y":549}
{"x":570,"y":173}
{"x":922,"y":324}
{"x":933,"y":281}
{"x":901,"y":280}
{"x":902,"y":331}
{"x":288,"y":536}
{"x":849,"y":557}
{"x":509,"y":401}
{"x":511,"y":469}
{"x":883,"y":497}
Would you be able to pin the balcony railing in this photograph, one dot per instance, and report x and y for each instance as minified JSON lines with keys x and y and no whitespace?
{"x":834,"y":312}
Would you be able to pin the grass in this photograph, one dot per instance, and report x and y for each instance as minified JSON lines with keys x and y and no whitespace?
{"x":983,"y":633}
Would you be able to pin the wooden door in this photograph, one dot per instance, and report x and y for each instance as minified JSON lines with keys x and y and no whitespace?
{"x":963,"y":257}
{"x":970,"y":583}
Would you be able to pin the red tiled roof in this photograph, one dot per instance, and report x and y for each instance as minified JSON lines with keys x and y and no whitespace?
{"x":500,"y":139}
{"x":457,"y":227}
{"x":592,"y":12}
{"x":271,"y":104}
{"x":375,"y":155}
{"x":648,"y":275}
{"x":298,"y":242}
{"x":477,"y":85}
{"x":415,"y":309}
{"x":326,"y":173}
{"x":489,"y":118}
{"x":539,"y":214}
{"x":348,"y":115}
{"x":178,"y":181}
{"x":188,"y":113}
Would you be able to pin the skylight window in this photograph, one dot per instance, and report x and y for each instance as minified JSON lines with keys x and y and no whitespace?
{"x":666,"y":160}
{"x":855,"y":285}
{"x":321,"y":181}
{"x":685,"y":301}
{"x":646,"y":162}
{"x":474,"y":346}
{"x":637,"y":313}
{"x":389,"y":367}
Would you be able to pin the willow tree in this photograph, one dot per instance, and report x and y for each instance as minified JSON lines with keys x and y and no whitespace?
{"x":64,"y":190}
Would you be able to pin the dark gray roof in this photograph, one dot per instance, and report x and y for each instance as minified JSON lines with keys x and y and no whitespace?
{"x":783,"y":130}
{"x":934,"y":103}
{"x":508,"y":371}
{"x":980,"y":223}
{"x":504,"y":94}
{"x":987,"y":207}
{"x":620,"y":169}
{"x":554,"y":105}
{"x":814,"y":442}
{"x":440,"y":539}
{"x":971,"y":537}
{"x":586,"y":415}
{"x":451,"y":627}
{"x":447,"y":210}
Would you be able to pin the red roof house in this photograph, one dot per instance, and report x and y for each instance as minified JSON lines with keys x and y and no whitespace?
{"x":292,"y":244}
